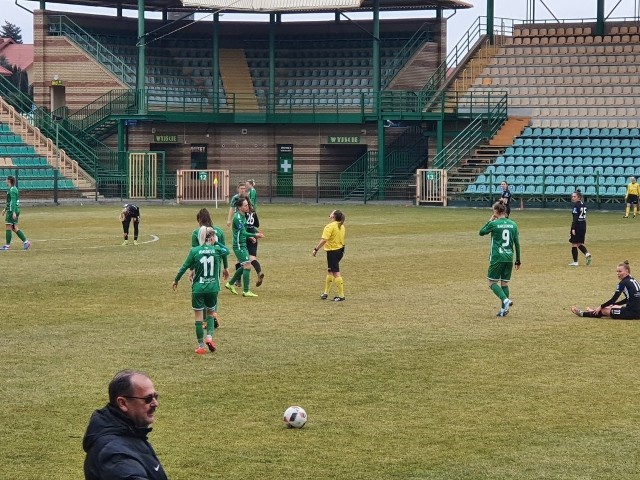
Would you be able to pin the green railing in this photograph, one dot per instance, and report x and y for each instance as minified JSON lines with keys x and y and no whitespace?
{"x":89,"y":155}
{"x":115,"y":102}
{"x":62,"y":25}
{"x":405,"y":152}
{"x":405,"y":53}
{"x":484,"y":125}
{"x":353,"y":176}
{"x":474,"y":34}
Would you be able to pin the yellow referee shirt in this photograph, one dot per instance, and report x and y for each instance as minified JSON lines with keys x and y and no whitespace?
{"x":333,"y":234}
{"x":633,"y":189}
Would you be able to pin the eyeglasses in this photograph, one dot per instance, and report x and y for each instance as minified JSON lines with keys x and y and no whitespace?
{"x":148,"y":399}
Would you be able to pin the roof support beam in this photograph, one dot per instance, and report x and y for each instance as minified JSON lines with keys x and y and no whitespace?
{"x":141,"y":59}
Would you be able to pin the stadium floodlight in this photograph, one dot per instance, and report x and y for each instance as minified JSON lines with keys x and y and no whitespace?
{"x":273,"y":5}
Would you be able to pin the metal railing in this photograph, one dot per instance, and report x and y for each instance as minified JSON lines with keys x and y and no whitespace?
{"x":400,"y":59}
{"x":487,"y":117}
{"x":63,"y":26}
{"x":73,"y":146}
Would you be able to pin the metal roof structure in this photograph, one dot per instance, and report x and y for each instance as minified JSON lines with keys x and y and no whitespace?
{"x":239,"y":6}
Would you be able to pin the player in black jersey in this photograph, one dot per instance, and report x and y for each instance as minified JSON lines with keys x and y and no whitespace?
{"x":505,"y":198}
{"x":578,"y":229}
{"x":128,"y":213}
{"x":625,"y":309}
{"x":252,"y":243}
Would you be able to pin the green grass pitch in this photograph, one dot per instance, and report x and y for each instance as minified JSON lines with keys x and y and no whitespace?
{"x":413,"y":377}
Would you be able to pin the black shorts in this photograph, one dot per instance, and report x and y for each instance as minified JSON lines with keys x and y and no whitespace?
{"x":252,"y":247}
{"x":333,"y":260}
{"x":624,"y":313}
{"x":632,"y":199}
{"x":581,"y":233}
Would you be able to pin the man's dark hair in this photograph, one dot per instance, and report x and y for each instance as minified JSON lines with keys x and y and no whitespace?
{"x":121,"y":386}
{"x":12,"y":180}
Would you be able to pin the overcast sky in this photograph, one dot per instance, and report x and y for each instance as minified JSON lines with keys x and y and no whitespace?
{"x":458,"y":24}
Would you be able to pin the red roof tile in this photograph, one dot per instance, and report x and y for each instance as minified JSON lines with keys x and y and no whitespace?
{"x":16,"y":54}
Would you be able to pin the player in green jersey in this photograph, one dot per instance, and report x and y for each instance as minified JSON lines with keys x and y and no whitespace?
{"x":252,"y":194}
{"x":204,"y":260}
{"x":203,"y":217}
{"x":11,"y":214}
{"x":504,"y":241}
{"x":242,"y":192}
{"x":240,"y":236}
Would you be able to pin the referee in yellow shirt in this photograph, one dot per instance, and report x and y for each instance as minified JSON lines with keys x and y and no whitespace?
{"x":633,"y":191}
{"x":333,"y":237}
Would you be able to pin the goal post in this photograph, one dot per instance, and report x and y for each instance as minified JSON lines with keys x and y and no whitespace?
{"x":431,"y":187}
{"x":202,"y":186}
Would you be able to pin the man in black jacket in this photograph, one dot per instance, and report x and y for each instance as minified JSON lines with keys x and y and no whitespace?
{"x":116,"y":438}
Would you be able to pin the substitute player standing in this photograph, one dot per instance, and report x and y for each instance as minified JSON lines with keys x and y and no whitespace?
{"x":633,"y":191}
{"x":578,"y":229}
{"x":128,"y":213}
{"x":504,"y":241}
{"x":11,"y":214}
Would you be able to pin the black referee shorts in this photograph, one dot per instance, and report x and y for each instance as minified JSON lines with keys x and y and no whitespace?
{"x":333,"y":260}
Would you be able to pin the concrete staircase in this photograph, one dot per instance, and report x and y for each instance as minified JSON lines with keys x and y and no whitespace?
{"x":512,"y":128}
{"x":484,"y":155}
{"x":417,"y":70}
{"x":236,"y":79}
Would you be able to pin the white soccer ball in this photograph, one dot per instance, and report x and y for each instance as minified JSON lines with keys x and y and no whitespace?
{"x":295,"y":417}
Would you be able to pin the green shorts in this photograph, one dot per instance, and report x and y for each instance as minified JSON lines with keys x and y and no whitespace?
{"x":242,"y":254}
{"x":500,"y":271}
{"x":8,"y":218}
{"x":200,"y":301}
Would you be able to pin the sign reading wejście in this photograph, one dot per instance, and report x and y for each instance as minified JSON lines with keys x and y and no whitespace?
{"x":165,"y":138}
{"x":344,"y":139}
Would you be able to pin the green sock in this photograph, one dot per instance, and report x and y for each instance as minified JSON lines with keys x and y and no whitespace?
{"x":8,"y":236}
{"x":236,"y":276}
{"x":495,"y":288}
{"x":246,"y":278}
{"x":505,"y":289}
{"x":200,"y":331}
{"x":21,"y":235}
{"x":210,"y":326}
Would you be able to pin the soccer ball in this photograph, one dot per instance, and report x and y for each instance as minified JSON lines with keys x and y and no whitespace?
{"x":295,"y":417}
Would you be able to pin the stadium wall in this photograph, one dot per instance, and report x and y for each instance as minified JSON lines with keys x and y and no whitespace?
{"x":229,"y":148}
{"x":83,"y":78}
